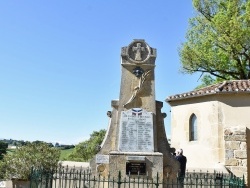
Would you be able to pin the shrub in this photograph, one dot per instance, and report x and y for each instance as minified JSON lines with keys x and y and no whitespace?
{"x":2,"y":170}
{"x":3,"y":149}
{"x":33,"y":155}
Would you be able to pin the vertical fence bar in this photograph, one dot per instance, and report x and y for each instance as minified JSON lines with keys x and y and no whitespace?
{"x":108,"y":179}
{"x":54,"y":179}
{"x":129,"y":178}
{"x":66,"y":179}
{"x":80,"y":178}
{"x":51,"y":178}
{"x":31,"y":176}
{"x":243,"y":181}
{"x":119,"y":180}
{"x":157,"y":180}
{"x":147,"y":181}
{"x":113,"y":182}
{"x":139,"y":181}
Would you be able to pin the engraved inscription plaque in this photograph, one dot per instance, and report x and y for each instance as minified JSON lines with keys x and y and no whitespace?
{"x":136,"y":168}
{"x":136,"y":131}
{"x":102,"y":159}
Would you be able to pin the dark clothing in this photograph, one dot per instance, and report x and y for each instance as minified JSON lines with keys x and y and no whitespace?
{"x":181,"y":175}
{"x":183,"y":160}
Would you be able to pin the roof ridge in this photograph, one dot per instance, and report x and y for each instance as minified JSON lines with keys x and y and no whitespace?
{"x":227,"y":86}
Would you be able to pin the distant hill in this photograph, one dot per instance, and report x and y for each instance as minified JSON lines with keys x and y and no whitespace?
{"x":12,"y":142}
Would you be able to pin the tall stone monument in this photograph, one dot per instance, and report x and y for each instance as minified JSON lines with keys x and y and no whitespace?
{"x":135,"y":142}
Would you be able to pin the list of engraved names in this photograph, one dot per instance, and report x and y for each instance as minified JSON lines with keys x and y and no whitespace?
{"x":136,"y":131}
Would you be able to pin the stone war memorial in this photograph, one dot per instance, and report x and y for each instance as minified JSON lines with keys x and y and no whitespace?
{"x":135,"y":143}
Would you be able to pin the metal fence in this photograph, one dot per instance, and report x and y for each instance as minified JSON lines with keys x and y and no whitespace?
{"x":79,"y":178}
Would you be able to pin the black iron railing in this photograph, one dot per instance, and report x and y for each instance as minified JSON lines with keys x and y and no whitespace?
{"x":79,"y":178}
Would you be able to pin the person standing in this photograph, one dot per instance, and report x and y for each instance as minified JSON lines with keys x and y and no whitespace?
{"x":183,"y":161}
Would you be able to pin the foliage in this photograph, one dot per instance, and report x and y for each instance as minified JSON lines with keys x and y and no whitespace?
{"x":36,"y":155}
{"x":2,"y":170}
{"x":207,"y":80}
{"x":218,"y":40}
{"x":3,"y":149}
{"x":84,"y":151}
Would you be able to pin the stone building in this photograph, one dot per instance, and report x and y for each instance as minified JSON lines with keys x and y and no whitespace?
{"x":211,"y":125}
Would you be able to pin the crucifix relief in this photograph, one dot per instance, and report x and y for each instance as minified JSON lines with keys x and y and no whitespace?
{"x":138,"y":49}
{"x":138,"y":52}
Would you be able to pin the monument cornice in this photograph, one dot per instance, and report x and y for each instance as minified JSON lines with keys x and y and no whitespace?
{"x":136,"y":153}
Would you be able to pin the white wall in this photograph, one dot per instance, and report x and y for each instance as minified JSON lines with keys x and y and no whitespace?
{"x":207,"y":151}
{"x":214,"y":113}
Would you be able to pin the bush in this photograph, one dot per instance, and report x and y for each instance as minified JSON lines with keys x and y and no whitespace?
{"x":33,"y":155}
{"x":2,"y":170}
{"x":3,"y":149}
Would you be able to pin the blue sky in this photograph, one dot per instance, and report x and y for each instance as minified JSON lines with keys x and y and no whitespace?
{"x":60,"y":62}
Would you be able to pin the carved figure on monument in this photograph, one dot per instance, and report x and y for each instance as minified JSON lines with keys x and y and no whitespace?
{"x":139,"y":87}
{"x":138,"y":50}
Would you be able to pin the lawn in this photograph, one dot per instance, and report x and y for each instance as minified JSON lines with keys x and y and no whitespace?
{"x":10,"y":151}
{"x":65,"y":153}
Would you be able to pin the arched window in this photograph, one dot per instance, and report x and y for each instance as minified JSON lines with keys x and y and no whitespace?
{"x":193,"y":127}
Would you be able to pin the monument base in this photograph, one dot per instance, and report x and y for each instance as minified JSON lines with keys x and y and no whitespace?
{"x":145,"y":164}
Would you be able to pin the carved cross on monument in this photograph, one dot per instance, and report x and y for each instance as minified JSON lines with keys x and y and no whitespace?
{"x":138,"y":49}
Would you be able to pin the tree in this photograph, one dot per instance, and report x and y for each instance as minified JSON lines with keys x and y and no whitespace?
{"x":84,"y":151}
{"x":3,"y":149}
{"x":57,"y":144}
{"x":50,"y":144}
{"x":218,"y":40}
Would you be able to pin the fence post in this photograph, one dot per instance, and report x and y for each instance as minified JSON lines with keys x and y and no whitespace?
{"x":119,"y":180}
{"x":243,"y":182}
{"x":31,"y":176}
{"x":219,"y":179}
{"x":157,"y":180}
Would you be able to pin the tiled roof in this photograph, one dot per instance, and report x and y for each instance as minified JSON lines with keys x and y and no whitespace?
{"x":234,"y":86}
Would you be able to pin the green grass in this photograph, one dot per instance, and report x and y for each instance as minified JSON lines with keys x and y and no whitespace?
{"x":63,"y":156}
{"x":10,"y":151}
{"x":65,"y":153}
